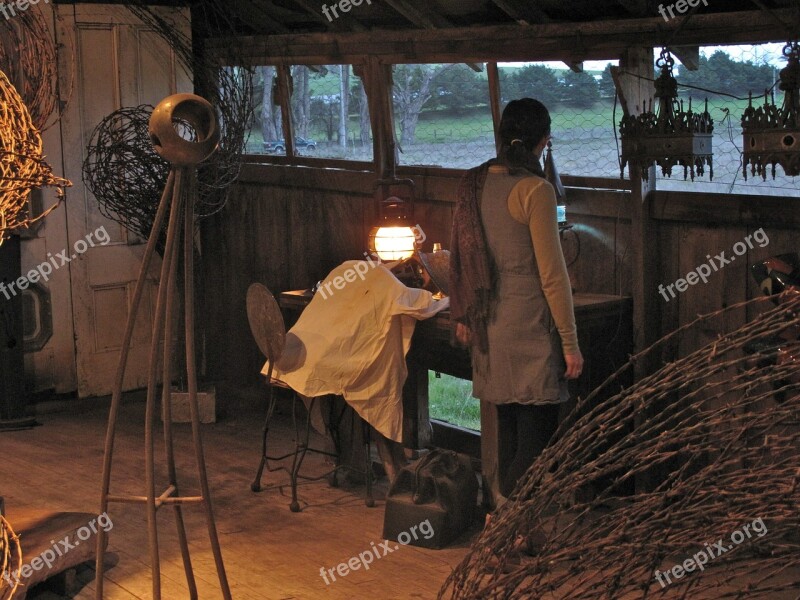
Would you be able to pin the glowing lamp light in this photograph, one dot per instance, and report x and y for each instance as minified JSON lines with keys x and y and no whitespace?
{"x":393,"y":242}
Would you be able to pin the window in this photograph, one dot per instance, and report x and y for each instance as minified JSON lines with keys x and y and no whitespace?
{"x":329,"y":114}
{"x":581,"y":106}
{"x":442,"y":115}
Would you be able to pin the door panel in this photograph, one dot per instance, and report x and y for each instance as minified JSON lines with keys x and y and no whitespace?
{"x":120,"y":64}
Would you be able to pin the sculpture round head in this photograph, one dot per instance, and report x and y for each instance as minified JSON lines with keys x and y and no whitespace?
{"x":191,"y":116}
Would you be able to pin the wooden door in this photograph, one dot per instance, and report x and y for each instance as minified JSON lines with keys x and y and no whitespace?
{"x":120,"y":63}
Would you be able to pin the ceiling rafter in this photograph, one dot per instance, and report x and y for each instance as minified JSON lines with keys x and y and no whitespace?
{"x":638,"y":8}
{"x":688,"y":55}
{"x":422,"y":18}
{"x":525,"y":13}
{"x":336,"y":24}
{"x":258,"y":14}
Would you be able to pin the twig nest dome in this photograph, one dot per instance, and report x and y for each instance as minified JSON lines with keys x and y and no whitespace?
{"x":191,"y":116}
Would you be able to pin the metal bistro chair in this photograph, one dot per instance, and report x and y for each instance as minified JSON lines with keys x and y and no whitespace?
{"x":269,"y":331}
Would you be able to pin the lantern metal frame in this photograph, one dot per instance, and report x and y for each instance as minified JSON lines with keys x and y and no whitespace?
{"x":771,"y":134}
{"x":671,"y":137}
{"x":393,"y":210}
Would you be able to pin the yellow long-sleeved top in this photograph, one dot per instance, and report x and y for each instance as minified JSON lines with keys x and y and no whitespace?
{"x":533,"y":202}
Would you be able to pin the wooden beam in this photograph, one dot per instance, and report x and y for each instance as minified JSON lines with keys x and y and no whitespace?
{"x":688,"y":55}
{"x":601,"y":40}
{"x":575,"y":67}
{"x":525,"y":13}
{"x":415,"y":15}
{"x":738,"y":210}
{"x":257,"y":14}
{"x":335,"y":24}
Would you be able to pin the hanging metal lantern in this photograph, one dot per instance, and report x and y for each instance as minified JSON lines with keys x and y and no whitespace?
{"x":772,"y":134}
{"x":670,"y":138}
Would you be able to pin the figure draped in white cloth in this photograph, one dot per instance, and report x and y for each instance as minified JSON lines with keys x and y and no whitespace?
{"x":352,"y":339}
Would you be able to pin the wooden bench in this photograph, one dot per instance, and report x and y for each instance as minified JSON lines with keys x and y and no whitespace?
{"x":58,"y":532}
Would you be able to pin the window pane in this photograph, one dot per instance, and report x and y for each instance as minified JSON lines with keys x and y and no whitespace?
{"x":266,"y":132}
{"x":324,"y":126}
{"x":581,"y":106}
{"x":442,"y":115}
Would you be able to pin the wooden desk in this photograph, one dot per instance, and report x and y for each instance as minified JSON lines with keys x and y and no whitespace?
{"x":604,"y":332}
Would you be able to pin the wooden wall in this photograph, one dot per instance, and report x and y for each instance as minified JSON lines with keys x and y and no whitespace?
{"x":693,"y":226}
{"x":287,"y":227}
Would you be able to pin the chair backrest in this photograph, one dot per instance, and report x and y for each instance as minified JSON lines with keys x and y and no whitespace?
{"x":266,"y":322}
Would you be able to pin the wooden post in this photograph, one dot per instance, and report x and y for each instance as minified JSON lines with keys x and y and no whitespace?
{"x":494,"y":99}
{"x":377,"y":78}
{"x":635,"y":87}
{"x":284,"y":75}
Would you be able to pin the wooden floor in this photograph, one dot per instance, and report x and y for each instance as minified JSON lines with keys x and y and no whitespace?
{"x":269,"y":552}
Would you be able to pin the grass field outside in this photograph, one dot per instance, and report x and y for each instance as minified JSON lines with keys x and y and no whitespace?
{"x":450,"y":399}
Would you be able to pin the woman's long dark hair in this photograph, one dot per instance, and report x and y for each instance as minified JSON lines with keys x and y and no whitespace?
{"x":523,"y":125}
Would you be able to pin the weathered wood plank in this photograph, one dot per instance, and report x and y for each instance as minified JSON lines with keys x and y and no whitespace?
{"x":553,"y":41}
{"x":730,"y":209}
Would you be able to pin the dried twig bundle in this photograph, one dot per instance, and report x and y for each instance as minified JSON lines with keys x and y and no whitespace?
{"x":10,"y":560}
{"x":22,"y":165}
{"x":717,"y":437}
{"x":28,"y":49}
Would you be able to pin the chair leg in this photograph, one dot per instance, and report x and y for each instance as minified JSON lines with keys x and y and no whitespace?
{"x":333,"y":427}
{"x":256,"y":485}
{"x":301,"y":447}
{"x":370,"y":500}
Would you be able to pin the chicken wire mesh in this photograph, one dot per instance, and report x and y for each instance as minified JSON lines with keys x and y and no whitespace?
{"x":442,"y":115}
{"x":22,"y":164}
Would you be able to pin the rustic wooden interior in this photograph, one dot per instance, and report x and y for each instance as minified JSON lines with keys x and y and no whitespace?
{"x":290,"y":220}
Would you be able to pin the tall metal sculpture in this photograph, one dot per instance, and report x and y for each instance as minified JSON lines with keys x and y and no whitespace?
{"x":185,"y":113}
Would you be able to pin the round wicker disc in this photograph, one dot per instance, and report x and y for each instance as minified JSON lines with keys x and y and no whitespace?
{"x":266,"y":321}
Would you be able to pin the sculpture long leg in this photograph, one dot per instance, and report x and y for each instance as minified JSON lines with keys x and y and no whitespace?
{"x":119,"y":379}
{"x":166,"y":404}
{"x":191,"y":377}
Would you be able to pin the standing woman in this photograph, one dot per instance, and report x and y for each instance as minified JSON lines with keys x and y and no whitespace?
{"x":511,"y":299}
